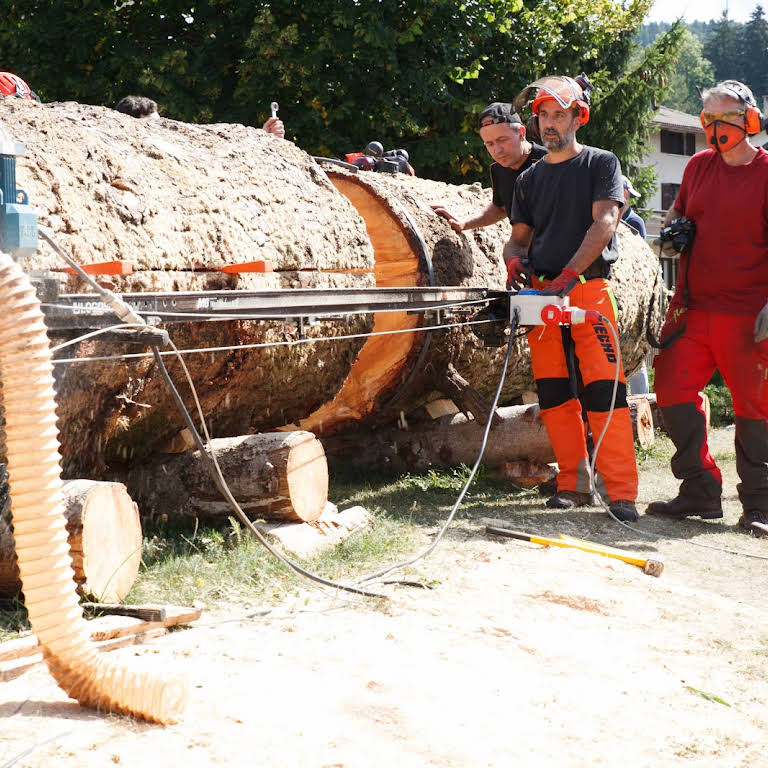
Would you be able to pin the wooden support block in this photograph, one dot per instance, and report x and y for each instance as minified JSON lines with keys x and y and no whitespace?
{"x":105,"y":628}
{"x":118,"y":267}
{"x":248,"y":266}
{"x":143,"y":612}
{"x":330,"y":529}
{"x":441,"y":407}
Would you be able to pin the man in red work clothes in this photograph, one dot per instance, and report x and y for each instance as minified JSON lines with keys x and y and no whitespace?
{"x":564,"y":216}
{"x":718,"y":317}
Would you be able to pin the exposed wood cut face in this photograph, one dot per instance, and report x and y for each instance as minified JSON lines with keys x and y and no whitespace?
{"x":381,"y":361}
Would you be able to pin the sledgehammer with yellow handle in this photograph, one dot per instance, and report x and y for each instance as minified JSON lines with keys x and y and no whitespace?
{"x":649,"y":565}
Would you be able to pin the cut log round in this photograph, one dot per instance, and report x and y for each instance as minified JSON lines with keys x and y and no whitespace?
{"x":274,"y":476}
{"x":642,"y":420}
{"x":445,"y":442}
{"x":658,"y":419}
{"x":105,"y":541}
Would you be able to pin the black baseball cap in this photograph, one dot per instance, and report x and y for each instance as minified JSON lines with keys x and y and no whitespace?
{"x":498,"y":112}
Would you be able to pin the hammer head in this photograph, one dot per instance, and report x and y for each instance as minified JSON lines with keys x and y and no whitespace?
{"x":653,"y":567}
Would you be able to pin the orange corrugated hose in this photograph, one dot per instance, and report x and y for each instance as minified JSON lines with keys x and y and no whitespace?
{"x":26,"y":373}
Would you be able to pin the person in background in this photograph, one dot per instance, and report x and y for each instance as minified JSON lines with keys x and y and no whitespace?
{"x":638,"y":382}
{"x":503,"y":134}
{"x":138,"y":106}
{"x":143,"y":108}
{"x":13,"y":85}
{"x":629,"y":216}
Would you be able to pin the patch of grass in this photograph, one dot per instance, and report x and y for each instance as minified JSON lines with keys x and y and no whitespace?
{"x":13,"y":618}
{"x":720,"y":402}
{"x":659,"y":453}
{"x":707,"y":696}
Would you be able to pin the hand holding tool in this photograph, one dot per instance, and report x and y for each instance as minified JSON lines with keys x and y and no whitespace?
{"x":561,"y":284}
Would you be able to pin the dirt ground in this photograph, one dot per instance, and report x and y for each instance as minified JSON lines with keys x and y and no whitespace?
{"x":519,"y":655}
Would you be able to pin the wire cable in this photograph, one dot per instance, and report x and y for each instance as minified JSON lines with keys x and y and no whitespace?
{"x":266,"y":344}
{"x":491,"y":413}
{"x":123,"y":311}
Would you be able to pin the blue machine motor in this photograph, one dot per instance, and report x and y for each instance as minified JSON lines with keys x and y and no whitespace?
{"x":18,"y":219}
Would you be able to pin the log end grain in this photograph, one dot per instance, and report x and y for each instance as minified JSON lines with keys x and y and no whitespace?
{"x":110,"y":544}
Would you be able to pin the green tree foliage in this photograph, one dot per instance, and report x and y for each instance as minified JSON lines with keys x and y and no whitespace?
{"x":625,"y":104}
{"x":755,"y":52}
{"x":724,"y":48}
{"x":692,"y":71}
{"x":409,"y":73}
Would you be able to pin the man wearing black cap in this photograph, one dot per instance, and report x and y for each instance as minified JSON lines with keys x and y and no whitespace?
{"x":503,"y":134}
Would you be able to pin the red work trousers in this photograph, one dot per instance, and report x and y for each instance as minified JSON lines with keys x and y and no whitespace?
{"x":554,"y":351}
{"x":725,"y":342}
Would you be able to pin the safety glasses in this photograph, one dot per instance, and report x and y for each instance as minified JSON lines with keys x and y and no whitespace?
{"x":734,"y":116}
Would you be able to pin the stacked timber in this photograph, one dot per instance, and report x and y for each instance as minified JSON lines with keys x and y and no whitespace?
{"x":182,"y":202}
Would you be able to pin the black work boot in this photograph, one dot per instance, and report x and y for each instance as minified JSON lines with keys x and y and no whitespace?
{"x":686,"y":506}
{"x":624,"y":510}
{"x":755,"y":522}
{"x":569,"y":500}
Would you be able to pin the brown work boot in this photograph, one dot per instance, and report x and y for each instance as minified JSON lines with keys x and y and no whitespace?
{"x":569,"y":500}
{"x":685,"y":506}
{"x":755,"y":521}
{"x":624,"y":510}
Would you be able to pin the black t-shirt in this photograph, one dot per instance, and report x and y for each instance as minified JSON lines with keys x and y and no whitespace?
{"x":556,"y":200}
{"x":503,"y":179}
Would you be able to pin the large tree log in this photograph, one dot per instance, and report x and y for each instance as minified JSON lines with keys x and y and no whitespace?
{"x":444,"y":442}
{"x":275,"y":476}
{"x":182,"y":200}
{"x":104,"y":540}
{"x":517,"y":433}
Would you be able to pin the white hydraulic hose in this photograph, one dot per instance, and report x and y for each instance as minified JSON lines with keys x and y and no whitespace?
{"x":42,"y":550}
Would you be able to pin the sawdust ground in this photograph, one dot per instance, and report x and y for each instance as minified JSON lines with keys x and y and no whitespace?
{"x":519,"y":656}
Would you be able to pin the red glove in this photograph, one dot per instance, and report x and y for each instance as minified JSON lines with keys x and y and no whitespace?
{"x":517,"y":273}
{"x":562,"y":284}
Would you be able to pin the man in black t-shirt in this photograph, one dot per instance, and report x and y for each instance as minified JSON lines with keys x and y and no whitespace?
{"x":503,"y":134}
{"x":564,"y":217}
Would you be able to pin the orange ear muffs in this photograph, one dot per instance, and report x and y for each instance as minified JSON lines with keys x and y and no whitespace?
{"x":753,"y":121}
{"x":583,"y":112}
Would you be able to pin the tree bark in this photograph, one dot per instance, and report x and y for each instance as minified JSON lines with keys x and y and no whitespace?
{"x":444,"y":442}
{"x":275,"y":476}
{"x":105,"y":541}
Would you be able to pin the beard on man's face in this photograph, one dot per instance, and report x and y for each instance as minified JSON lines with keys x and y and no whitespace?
{"x":555,"y":141}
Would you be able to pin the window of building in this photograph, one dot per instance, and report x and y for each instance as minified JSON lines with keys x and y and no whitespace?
{"x":678,"y":143}
{"x":668,"y":195}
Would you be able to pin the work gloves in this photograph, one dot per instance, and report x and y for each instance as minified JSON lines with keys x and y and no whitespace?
{"x":761,"y":324}
{"x":517,"y":273}
{"x":562,"y":284}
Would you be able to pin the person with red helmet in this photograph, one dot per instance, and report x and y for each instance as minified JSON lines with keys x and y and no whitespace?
{"x":13,"y":85}
{"x":718,"y":317}
{"x":564,"y":216}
